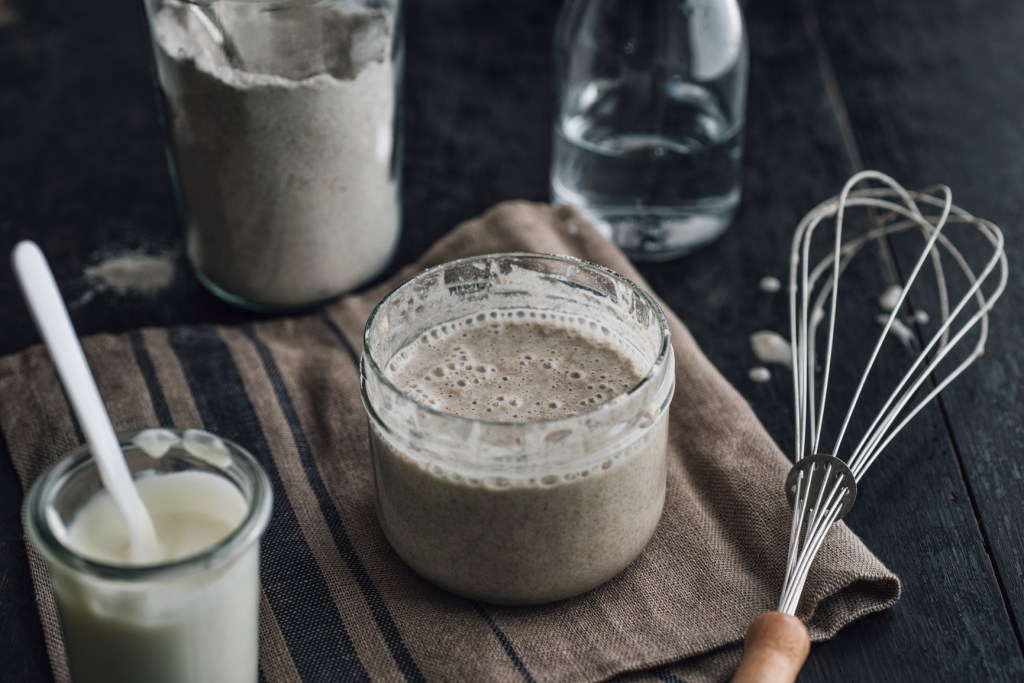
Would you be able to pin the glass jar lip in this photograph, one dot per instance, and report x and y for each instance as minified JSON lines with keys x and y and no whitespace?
{"x":655,"y":370}
{"x":53,"y":549}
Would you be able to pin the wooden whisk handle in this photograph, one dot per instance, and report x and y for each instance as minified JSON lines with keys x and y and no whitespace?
{"x":774,"y":650}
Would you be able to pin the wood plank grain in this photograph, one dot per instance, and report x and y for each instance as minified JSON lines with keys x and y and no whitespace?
{"x":912,"y":510}
{"x":935,"y":95}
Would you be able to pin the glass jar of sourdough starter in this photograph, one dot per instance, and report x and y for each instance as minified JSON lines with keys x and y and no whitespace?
{"x":285,"y":122}
{"x":190,"y":618}
{"x":518,"y":423}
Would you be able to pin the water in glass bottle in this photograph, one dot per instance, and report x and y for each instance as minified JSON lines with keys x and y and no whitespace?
{"x":649,"y":120}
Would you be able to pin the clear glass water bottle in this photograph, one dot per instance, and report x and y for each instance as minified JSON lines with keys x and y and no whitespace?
{"x":648,"y":131}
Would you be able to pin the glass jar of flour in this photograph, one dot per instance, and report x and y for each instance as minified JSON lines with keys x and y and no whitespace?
{"x":285,"y":119}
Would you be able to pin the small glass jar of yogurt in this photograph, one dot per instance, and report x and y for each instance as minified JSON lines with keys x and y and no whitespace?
{"x":192,"y":616}
{"x":518,"y":423}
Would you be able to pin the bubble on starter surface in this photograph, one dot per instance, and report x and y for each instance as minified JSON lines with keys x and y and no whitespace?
{"x":512,"y":367}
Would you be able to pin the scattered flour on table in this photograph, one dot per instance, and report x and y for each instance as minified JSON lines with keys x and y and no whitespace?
{"x":887,"y":301}
{"x":144,"y":273}
{"x":759,"y":374}
{"x":127,"y":273}
{"x":899,"y":329}
{"x":890,"y":297}
{"x":771,"y":347}
{"x":770,"y":284}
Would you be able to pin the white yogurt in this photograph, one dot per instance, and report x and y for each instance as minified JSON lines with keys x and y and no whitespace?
{"x":191,"y":511}
{"x":162,"y":624}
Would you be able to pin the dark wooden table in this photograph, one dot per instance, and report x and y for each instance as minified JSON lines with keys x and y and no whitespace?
{"x":927,"y":91}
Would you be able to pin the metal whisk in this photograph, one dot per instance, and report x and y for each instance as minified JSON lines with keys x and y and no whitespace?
{"x":822,"y":484}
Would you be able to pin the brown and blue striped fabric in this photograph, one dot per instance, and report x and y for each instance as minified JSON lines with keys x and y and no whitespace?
{"x":338,"y":605}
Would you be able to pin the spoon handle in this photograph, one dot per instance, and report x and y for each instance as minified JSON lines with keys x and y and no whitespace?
{"x":54,"y":324}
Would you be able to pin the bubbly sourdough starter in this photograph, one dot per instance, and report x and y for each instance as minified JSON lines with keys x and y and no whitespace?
{"x":521,"y":538}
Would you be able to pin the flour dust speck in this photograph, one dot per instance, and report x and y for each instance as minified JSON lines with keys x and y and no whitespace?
{"x":759,"y":374}
{"x":127,"y":273}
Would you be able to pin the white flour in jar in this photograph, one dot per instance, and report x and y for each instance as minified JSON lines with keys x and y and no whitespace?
{"x":289,"y":182}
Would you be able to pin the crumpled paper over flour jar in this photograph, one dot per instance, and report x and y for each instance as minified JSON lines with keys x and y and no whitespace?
{"x":284,"y":119}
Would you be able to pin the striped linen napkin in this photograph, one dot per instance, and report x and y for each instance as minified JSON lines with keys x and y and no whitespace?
{"x":337,"y":603}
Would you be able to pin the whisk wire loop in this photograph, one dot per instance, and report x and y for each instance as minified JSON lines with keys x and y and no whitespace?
{"x":889,"y":322}
{"x":822,"y":488}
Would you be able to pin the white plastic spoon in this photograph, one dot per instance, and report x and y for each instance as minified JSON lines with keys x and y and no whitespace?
{"x":51,"y":317}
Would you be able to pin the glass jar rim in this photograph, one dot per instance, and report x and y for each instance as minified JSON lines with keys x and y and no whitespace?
{"x":655,"y":370}
{"x":248,"y":531}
